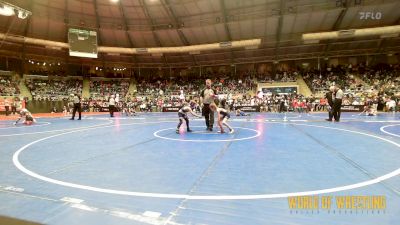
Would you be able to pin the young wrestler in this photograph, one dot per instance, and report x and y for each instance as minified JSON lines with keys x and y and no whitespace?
{"x":241,"y":113}
{"x":65,"y":111}
{"x":28,"y":118}
{"x":223,"y":117}
{"x":131,"y":108}
{"x":182,"y":113}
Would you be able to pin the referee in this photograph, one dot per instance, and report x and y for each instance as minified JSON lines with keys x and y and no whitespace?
{"x":77,"y":107}
{"x":206,"y":98}
{"x":111,"y":105}
{"x":337,"y":103}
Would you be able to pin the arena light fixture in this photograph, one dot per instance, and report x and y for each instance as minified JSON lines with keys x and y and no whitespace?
{"x":22,"y":14}
{"x":9,"y":9}
{"x":6,"y":11}
{"x":381,"y":31}
{"x":191,"y":49}
{"x":182,"y":49}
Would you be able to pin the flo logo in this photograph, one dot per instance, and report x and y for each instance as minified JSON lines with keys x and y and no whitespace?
{"x":370,"y":15}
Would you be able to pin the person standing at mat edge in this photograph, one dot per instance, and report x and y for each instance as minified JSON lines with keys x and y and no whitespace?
{"x":14,"y":105}
{"x":7,"y":106}
{"x":329,"y":98}
{"x":206,"y":98}
{"x":337,"y":103}
{"x":111,"y":105}
{"x":77,"y":106}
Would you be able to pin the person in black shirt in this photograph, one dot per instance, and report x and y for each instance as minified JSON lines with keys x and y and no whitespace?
{"x":329,"y":98}
{"x":182,"y":114}
{"x":282,"y":106}
{"x":223,"y":117}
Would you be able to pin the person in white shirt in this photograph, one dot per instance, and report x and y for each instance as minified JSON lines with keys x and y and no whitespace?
{"x":77,"y":106}
{"x":260,"y":94}
{"x":252,"y":101}
{"x":65,"y":111}
{"x":15,"y":104}
{"x":117,"y":98}
{"x":7,"y":106}
{"x":181,"y":96}
{"x":391,"y":105}
{"x":229,"y":97}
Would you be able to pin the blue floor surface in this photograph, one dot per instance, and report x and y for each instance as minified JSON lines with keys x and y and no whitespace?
{"x":137,"y":170}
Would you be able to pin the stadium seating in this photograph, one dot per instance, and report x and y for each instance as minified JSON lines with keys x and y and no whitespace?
{"x":45,"y":89}
{"x":8,"y":86}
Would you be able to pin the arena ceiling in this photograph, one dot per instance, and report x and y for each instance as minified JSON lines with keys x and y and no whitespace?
{"x":162,"y":23}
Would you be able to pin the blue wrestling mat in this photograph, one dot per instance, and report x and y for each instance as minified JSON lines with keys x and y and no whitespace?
{"x":274,"y":169}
